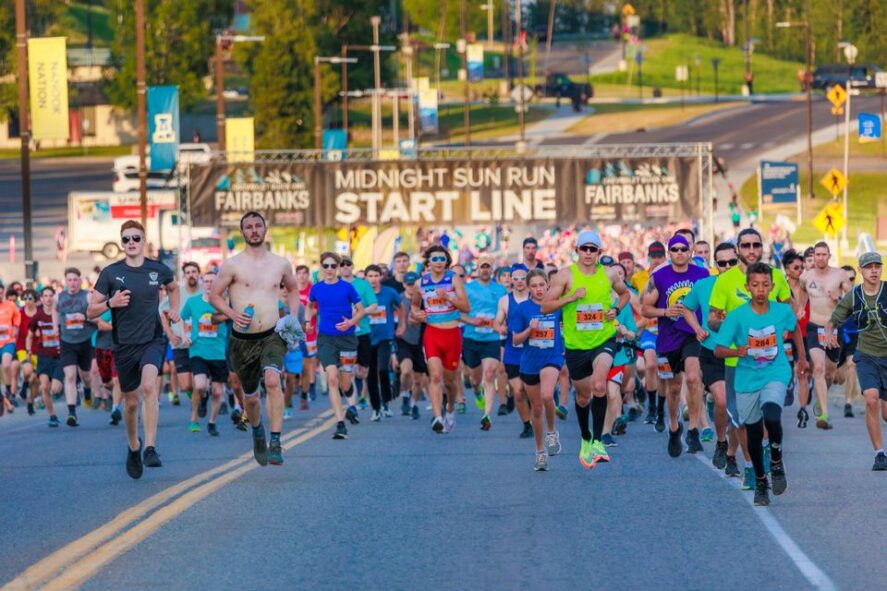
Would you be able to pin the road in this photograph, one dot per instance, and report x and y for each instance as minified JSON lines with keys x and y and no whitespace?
{"x":397,"y":507}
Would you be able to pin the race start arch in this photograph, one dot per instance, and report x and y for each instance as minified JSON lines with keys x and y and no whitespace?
{"x":606,"y":184}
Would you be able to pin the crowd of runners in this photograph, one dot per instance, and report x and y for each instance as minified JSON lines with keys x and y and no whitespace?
{"x":706,"y":342}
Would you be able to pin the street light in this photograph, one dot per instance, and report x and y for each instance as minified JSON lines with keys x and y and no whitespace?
{"x":221,"y":39}
{"x":24,"y":131}
{"x":318,"y":104}
{"x":490,"y":8}
{"x":808,"y":85}
{"x":850,"y":52}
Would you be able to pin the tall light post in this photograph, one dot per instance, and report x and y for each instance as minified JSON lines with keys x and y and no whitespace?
{"x":490,"y":8}
{"x":375,"y":21}
{"x":522,"y":104}
{"x":318,"y":100}
{"x":808,"y":86}
{"x":345,"y":93}
{"x":141,"y":110}
{"x":463,"y":50}
{"x":223,"y":39}
{"x":24,"y":130}
{"x":850,"y":52}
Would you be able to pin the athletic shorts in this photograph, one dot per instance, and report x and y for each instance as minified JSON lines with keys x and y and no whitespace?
{"x":216,"y":370}
{"x":254,"y":353}
{"x":512,"y":371}
{"x":50,"y":367}
{"x":712,"y":367}
{"x":364,"y":350}
{"x":22,"y":356}
{"x":749,"y":404}
{"x":340,"y":351}
{"x":672,"y":363}
{"x":182,"y":360}
{"x":580,"y":362}
{"x":104,"y":359}
{"x":294,"y":362}
{"x":848,"y":345}
{"x":309,"y":349}
{"x":617,"y":374}
{"x":8,"y":349}
{"x":532,"y":379}
{"x":79,"y":354}
{"x":168,"y":356}
{"x":130,"y":359}
{"x":732,"y":408}
{"x":444,"y":344}
{"x":647,"y":341}
{"x":412,"y":352}
{"x":474,"y":352}
{"x":813,"y":341}
{"x":872,"y":373}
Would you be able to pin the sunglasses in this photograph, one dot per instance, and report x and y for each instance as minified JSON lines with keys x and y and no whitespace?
{"x":589,"y":249}
{"x":461,"y":275}
{"x":487,"y":266}
{"x":728,"y":263}
{"x":30,"y":299}
{"x":751,"y":245}
{"x":440,"y":259}
{"x":518,"y":277}
{"x":679,"y":249}
{"x":127,"y":239}
{"x":330,"y":266}
{"x":852,"y":279}
{"x":347,"y":264}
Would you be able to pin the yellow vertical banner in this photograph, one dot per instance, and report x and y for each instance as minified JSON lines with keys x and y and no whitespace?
{"x":240,"y":139}
{"x":48,"y":82}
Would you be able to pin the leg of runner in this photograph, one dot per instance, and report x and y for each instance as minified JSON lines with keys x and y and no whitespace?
{"x":150,"y":406}
{"x":873,"y":405}
{"x":693,"y":381}
{"x":673,"y":389}
{"x":47,"y":398}
{"x":820,"y":386}
{"x":533,"y":389}
{"x":435,"y":391}
{"x":548,"y":377}
{"x":614,"y":410}
{"x":522,"y":404}
{"x":373,"y":385}
{"x":201,"y":383}
{"x":488,"y":369}
{"x":603,"y":363}
{"x":453,"y":384}
{"x":803,"y":389}
{"x":218,"y":390}
{"x":384,"y":366}
{"x":71,"y":393}
{"x":651,"y":385}
{"x":563,"y":382}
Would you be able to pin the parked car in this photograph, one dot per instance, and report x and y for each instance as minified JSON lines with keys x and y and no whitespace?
{"x":126,"y":169}
{"x":862,"y":76}
{"x":560,"y":86}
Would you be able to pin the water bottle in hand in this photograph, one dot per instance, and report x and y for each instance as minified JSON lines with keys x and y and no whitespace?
{"x":249,"y":311}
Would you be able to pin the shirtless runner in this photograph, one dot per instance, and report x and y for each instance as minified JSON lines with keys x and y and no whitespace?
{"x":253,"y":279}
{"x":823,"y":286}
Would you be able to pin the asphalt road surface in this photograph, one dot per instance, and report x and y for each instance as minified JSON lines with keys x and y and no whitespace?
{"x":398,"y":507}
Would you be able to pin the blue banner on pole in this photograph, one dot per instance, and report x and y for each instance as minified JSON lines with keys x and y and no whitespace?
{"x":335,"y":142}
{"x":869,"y":127}
{"x":475,"y":62}
{"x":163,"y":126}
{"x":779,"y":182}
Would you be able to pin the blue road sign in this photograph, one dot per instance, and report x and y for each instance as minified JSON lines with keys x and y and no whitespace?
{"x":869,"y":127}
{"x":779,"y":182}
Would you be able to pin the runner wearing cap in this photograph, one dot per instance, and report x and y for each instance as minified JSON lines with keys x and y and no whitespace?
{"x":506,"y":401}
{"x":655,"y":399}
{"x":583,"y":291}
{"x":867,"y":305}
{"x":410,"y":357}
{"x":506,"y":321}
{"x":382,"y":335}
{"x":364,"y":340}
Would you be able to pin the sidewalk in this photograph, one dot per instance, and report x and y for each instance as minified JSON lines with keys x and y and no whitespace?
{"x":555,"y":125}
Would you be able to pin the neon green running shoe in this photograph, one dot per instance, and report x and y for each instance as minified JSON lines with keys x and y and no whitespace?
{"x":585,"y":455}
{"x":598,"y":452}
{"x":194,"y":427}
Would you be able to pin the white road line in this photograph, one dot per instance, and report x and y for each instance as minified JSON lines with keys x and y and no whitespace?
{"x":808,"y":568}
{"x":727,"y":146}
{"x":593,"y":139}
{"x":747,"y":146}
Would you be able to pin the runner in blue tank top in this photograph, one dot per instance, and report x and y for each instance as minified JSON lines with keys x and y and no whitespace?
{"x":505,"y":321}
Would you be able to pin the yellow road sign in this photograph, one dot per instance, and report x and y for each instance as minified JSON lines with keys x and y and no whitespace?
{"x":628,"y":9}
{"x":837,"y":95}
{"x":830,"y":220}
{"x":837,"y":110}
{"x":834,"y":181}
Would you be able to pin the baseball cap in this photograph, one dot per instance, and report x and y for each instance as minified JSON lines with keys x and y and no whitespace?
{"x":519,"y":267}
{"x":410,"y":278}
{"x":484,"y":259}
{"x":530,"y":240}
{"x":678,"y":239}
{"x":869,"y":258}
{"x":588,"y":237}
{"x":656,"y":249}
{"x":625,"y":255}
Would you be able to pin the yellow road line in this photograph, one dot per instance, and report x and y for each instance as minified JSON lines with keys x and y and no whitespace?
{"x":43,"y":571}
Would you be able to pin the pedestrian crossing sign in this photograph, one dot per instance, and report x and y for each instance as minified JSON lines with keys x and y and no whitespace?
{"x":837,"y":95}
{"x":830,"y":220}
{"x":834,"y":181}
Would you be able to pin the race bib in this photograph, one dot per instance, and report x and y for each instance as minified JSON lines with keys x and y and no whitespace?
{"x":486,"y":323}
{"x":788,"y":347}
{"x":206,"y":328}
{"x":589,"y":317}
{"x":653,"y":327}
{"x":542,"y":337}
{"x":74,"y":321}
{"x":311,"y":347}
{"x":50,"y":338}
{"x":820,"y":335}
{"x":762,"y":345}
{"x":379,"y":317}
{"x":347,"y":360}
{"x":665,"y":371}
{"x":4,"y":332}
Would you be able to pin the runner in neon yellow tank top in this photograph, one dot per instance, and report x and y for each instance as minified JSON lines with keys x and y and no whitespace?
{"x":583,"y":291}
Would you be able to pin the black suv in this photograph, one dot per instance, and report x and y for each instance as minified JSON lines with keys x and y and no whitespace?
{"x":862,"y":75}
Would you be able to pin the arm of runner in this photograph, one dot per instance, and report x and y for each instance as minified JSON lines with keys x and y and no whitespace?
{"x":691,"y":304}
{"x":621,"y":291}
{"x":840,"y":315}
{"x":103,"y":326}
{"x":172,"y":291}
{"x":292,"y":295}
{"x":648,"y":302}
{"x":460,"y":300}
{"x":727,"y":337}
{"x":715,"y":317}
{"x":416,"y":312}
{"x":98,"y":301}
{"x":501,"y":316}
{"x":347,"y":323}
{"x":167,"y":330}
{"x":401,"y":320}
{"x":554,"y":298}
{"x":518,"y":337}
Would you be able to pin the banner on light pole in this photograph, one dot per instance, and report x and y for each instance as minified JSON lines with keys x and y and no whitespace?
{"x":475,"y":62}
{"x":163,"y":126}
{"x":48,"y":83}
{"x":240,"y":139}
{"x":428,"y":111}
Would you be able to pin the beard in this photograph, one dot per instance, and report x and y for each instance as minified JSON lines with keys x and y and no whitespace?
{"x":255,"y":242}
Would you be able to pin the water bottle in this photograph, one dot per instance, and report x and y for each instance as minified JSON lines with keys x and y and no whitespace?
{"x":249,"y":311}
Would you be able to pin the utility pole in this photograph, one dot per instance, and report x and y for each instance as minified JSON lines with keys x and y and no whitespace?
{"x":318,"y":108}
{"x":24,"y":127}
{"x":345,"y":91}
{"x":747,"y":51}
{"x":375,"y":21}
{"x":408,"y":73}
{"x":507,"y":41}
{"x":141,"y":113}
{"x":463,"y":48}
{"x":850,"y":52}
{"x":220,"y":95}
{"x":522,"y":104}
{"x":490,"y":8}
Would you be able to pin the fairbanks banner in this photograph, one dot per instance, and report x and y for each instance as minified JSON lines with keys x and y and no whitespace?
{"x":477,"y":191}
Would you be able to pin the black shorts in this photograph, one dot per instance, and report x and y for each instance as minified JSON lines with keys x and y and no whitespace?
{"x":512,"y":371}
{"x":364,"y":350}
{"x":531,"y":379}
{"x":254,"y":353}
{"x":811,"y":341}
{"x":580,"y":363}
{"x":414,"y":353}
{"x":182,"y":360}
{"x":712,"y":367}
{"x":872,"y":373}
{"x":79,"y":354}
{"x":848,"y":345}
{"x":216,"y":370}
{"x":50,"y":367}
{"x":130,"y":359}
{"x":474,"y":352}
{"x":689,"y":348}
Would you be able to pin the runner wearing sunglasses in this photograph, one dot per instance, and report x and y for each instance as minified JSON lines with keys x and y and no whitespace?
{"x":506,"y":318}
{"x":793,"y":263}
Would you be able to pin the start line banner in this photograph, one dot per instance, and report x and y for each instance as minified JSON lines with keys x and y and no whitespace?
{"x":431,"y":192}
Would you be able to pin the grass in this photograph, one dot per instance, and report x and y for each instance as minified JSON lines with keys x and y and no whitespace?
{"x":69,"y":152}
{"x":74,"y":22}
{"x":663,"y":54}
{"x":835,"y":148}
{"x":615,"y":118}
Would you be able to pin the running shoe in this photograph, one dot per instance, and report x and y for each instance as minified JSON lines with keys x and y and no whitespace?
{"x":748,"y":480}
{"x":880,"y":464}
{"x":72,"y":421}
{"x":598,"y":453}
{"x":287,"y":413}
{"x":386,"y":412}
{"x":31,"y":411}
{"x":275,"y":453}
{"x":212,"y":430}
{"x":243,"y":424}
{"x":848,"y":414}
{"x":415,"y":413}
{"x":823,"y":423}
{"x":608,"y":440}
{"x":341,"y":431}
{"x":777,"y":474}
{"x":708,"y":434}
{"x":405,"y":406}
{"x":651,"y":416}
{"x":731,"y":469}
{"x":87,"y":400}
{"x":485,"y":423}
{"x":767,"y":459}
{"x":151,"y":458}
{"x":503,"y":410}
{"x":634,"y":413}
{"x":675,"y":447}
{"x":509,"y":404}
{"x":437,"y":425}
{"x":527,"y":431}
{"x":449,"y":422}
{"x":223,"y":409}
{"x":53,"y":421}
{"x":134,"y":466}
{"x":685,"y":414}
{"x":620,"y":425}
{"x":362,"y":403}
{"x":174,"y":398}
{"x":351,"y":415}
{"x":660,"y":422}
{"x":803,"y":417}
{"x":479,"y":400}
{"x":693,"y":443}
{"x":541,"y":464}
{"x":169,"y":396}
{"x":201,"y":407}
{"x":790,"y":394}
{"x":236,"y":415}
{"x":719,"y":459}
{"x":561,"y":412}
{"x":553,"y":443}
{"x":585,"y":453}
{"x":260,"y":447}
{"x":376,"y":417}
{"x":460,"y":408}
{"x":194,"y":427}
{"x":762,"y":499}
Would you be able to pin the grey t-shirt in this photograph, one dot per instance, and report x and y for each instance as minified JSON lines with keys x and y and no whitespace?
{"x":413,"y":332}
{"x":139,"y":322}
{"x":72,"y":317}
